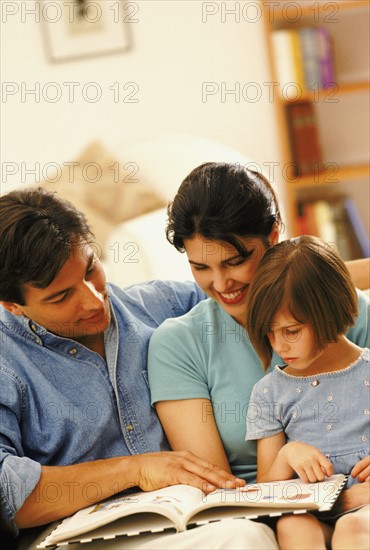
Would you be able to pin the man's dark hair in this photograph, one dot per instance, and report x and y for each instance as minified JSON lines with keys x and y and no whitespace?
{"x":38,"y":233}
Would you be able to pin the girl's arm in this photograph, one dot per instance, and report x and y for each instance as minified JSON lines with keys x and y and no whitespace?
{"x":190,"y":425}
{"x":278,"y":460}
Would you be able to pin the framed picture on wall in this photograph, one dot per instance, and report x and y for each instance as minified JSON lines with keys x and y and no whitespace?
{"x":75,"y":29}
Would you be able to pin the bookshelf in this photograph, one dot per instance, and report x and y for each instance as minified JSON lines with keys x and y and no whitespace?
{"x":340,"y":110}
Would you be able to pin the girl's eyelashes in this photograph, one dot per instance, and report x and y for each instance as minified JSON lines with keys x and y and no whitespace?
{"x":292,"y":332}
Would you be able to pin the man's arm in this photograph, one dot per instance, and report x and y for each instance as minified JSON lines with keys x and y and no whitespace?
{"x":360,"y":272}
{"x":63,"y":490}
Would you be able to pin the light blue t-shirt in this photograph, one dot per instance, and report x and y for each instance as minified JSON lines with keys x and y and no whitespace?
{"x":206,"y":354}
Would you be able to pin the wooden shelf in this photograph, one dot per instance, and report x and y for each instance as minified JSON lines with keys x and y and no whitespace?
{"x":329,"y":94}
{"x":332,"y":175}
{"x":332,"y":180}
{"x":281,"y":13}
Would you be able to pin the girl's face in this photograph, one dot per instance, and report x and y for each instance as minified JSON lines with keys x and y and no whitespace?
{"x":292,"y":340}
{"x":222,"y":273}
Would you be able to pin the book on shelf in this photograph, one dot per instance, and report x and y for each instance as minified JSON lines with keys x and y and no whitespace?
{"x":336,"y":221}
{"x":181,"y":506}
{"x":304,"y":57}
{"x":326,"y":58}
{"x":297,"y":58}
{"x":284,"y":59}
{"x":310,"y":54}
{"x":304,"y":138}
{"x":358,"y":226}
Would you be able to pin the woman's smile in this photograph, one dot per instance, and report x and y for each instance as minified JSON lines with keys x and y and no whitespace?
{"x":233,"y":297}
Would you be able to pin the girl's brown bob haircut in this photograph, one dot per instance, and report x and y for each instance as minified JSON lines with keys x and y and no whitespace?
{"x":308,"y":277}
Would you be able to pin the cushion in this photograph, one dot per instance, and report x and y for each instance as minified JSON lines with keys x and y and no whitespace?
{"x":106,"y":189}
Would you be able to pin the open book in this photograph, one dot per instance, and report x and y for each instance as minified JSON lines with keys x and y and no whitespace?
{"x":180,"y":506}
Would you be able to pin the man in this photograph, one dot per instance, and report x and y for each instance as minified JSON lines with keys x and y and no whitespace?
{"x":76,"y":421}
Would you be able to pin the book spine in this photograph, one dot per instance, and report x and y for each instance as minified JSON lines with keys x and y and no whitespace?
{"x":304,"y":138}
{"x":344,"y":234}
{"x":310,"y":53}
{"x":309,"y":211}
{"x":297,"y":59}
{"x":358,"y":226}
{"x":325,"y":57}
{"x":301,"y":220}
{"x":283,"y":57}
{"x":324,"y":221}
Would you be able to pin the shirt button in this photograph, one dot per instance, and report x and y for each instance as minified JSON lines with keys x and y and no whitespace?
{"x":38,"y":340}
{"x":73,"y":351}
{"x":129,"y":427}
{"x":34,"y":328}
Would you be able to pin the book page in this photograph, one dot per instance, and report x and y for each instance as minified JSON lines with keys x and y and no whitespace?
{"x":171,"y":502}
{"x":282,"y":495}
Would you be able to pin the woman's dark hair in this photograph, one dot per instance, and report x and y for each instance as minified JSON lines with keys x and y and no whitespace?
{"x":308,"y":277}
{"x":38,"y":233}
{"x":223,"y":202}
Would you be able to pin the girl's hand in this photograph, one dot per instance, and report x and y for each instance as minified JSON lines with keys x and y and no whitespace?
{"x":362,"y":469}
{"x":307,"y":461}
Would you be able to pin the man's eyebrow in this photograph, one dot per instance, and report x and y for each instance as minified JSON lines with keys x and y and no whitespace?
{"x":64,"y":290}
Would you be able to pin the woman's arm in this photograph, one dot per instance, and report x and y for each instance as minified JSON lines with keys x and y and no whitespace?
{"x":277,"y":460}
{"x":190,"y":425}
{"x":360,"y":272}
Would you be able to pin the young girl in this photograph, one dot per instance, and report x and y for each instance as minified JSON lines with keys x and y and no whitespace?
{"x":310,"y":415}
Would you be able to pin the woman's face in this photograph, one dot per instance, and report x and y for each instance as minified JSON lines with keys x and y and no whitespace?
{"x":222,"y":273}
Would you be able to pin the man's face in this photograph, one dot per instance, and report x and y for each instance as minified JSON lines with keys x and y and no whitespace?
{"x":75,"y":304}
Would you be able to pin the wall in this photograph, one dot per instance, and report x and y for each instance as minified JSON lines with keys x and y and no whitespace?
{"x":177,"y":47}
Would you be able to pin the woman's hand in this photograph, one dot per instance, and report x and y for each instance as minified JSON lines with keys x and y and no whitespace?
{"x":307,"y":461}
{"x":362,"y":470}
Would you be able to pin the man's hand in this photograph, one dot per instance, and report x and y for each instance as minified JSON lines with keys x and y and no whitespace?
{"x":157,"y":470}
{"x":362,"y":470}
{"x":112,"y":475}
{"x":309,"y":463}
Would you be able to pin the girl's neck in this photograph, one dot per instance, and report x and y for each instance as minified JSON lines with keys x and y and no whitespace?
{"x":336,"y":356}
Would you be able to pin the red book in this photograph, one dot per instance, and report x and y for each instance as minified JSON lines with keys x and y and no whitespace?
{"x":304,"y":138}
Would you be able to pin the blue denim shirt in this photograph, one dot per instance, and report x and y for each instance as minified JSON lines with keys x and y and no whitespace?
{"x":63,"y":404}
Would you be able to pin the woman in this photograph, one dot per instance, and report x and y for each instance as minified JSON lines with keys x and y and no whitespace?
{"x":202,"y":366}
